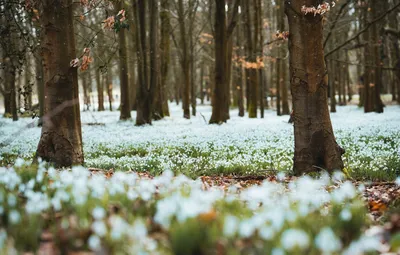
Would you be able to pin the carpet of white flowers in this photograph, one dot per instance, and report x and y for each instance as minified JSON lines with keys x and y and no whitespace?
{"x":126,"y":214}
{"x":243,"y":146}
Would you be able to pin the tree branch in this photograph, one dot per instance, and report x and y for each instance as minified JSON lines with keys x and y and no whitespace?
{"x":335,"y":22}
{"x":363,"y":30}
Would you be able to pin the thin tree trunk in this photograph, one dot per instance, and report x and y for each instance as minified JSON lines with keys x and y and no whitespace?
{"x":165,"y":52}
{"x":100,"y":91}
{"x":125,"y":110}
{"x":61,"y":138}
{"x":315,"y":144}
{"x":40,"y":85}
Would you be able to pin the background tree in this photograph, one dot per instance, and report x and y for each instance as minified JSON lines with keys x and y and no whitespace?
{"x":223,"y":48}
{"x":148,"y":72}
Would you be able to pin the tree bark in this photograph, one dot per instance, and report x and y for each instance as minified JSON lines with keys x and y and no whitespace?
{"x":147,"y":74}
{"x":223,"y":61}
{"x":165,"y":48}
{"x":100,"y":91}
{"x":315,"y":144}
{"x":125,"y":110}
{"x":61,"y":138}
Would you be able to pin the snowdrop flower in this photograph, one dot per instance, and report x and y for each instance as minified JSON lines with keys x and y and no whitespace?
{"x":327,"y":241}
{"x":139,"y":229}
{"x":266,"y":233}
{"x":346,"y":191}
{"x":118,"y":227}
{"x":294,"y":238}
{"x":281,"y":176}
{"x":246,"y":228}
{"x":52,"y":172}
{"x":345,"y":214}
{"x":165,"y":209}
{"x":364,"y":244}
{"x":277,"y":251}
{"x":94,"y":243}
{"x":99,"y":228}
{"x":11,"y":200}
{"x":231,"y":224}
{"x":19,"y":162}
{"x":14,"y":216}
{"x":338,"y":176}
{"x":98,"y":213}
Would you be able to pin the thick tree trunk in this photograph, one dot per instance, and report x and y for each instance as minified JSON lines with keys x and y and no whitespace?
{"x":315,"y":144}
{"x":61,"y":138}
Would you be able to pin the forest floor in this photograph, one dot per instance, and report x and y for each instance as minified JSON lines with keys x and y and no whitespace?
{"x":243,"y":146}
{"x":239,"y":197}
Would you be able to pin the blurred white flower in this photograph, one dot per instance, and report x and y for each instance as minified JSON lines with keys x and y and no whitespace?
{"x":98,"y":213}
{"x":19,"y":162}
{"x":14,"y":216}
{"x":294,"y":238}
{"x":345,"y":214}
{"x":327,"y":241}
{"x":99,"y":228}
{"x":266,"y":233}
{"x":277,"y":251}
{"x":94,"y":243}
{"x":231,"y":224}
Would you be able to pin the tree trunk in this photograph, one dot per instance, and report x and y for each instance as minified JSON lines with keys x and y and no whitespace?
{"x":125,"y":110}
{"x":165,"y":49}
{"x":100,"y":91}
{"x":147,"y":74}
{"x":315,"y":144}
{"x":223,"y":61}
{"x":61,"y":138}
{"x":109,"y":87}
{"x":376,"y":42}
{"x":40,"y":85}
{"x":10,"y":98}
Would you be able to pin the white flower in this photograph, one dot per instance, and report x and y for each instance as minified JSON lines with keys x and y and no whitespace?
{"x":246,"y":228}
{"x":11,"y":200}
{"x":294,"y":238}
{"x":99,"y":228}
{"x":277,"y":251}
{"x":94,"y":243}
{"x":266,"y":233}
{"x":345,"y":214}
{"x":19,"y":162}
{"x":14,"y":216}
{"x":98,"y":213}
{"x":346,"y":191}
{"x":139,"y":229}
{"x":230,"y":225}
{"x":327,"y":241}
